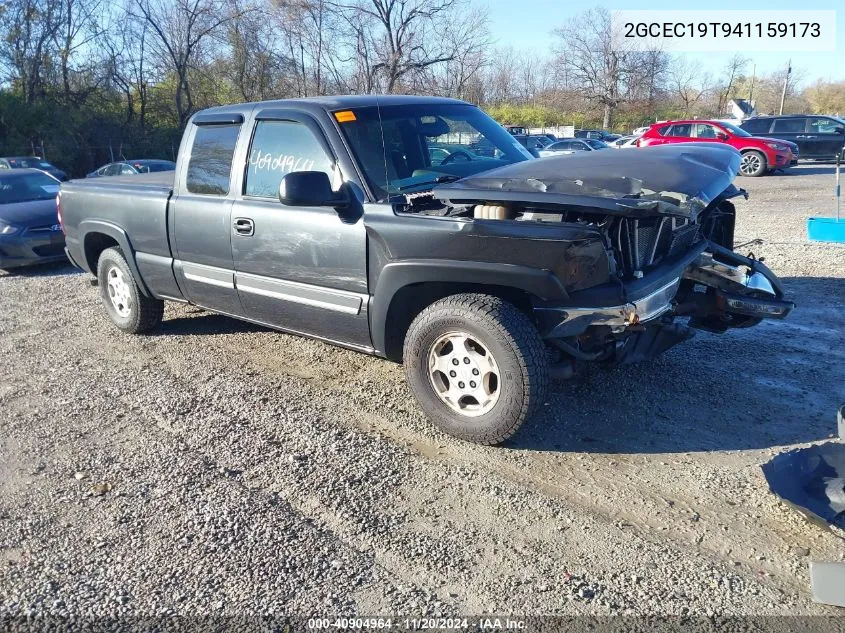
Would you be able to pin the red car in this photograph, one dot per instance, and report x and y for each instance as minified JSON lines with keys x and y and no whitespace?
{"x":759,"y":155}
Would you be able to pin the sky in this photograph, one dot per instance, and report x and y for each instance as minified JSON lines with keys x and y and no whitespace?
{"x":528,"y":25}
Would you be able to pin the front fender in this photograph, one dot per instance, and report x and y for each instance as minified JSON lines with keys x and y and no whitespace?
{"x":395,"y":276}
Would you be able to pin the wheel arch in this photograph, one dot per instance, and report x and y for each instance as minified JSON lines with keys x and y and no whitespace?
{"x":96,"y":236}
{"x":404,"y":289}
{"x":759,"y":150}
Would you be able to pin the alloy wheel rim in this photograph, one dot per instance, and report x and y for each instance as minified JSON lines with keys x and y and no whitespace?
{"x":750,"y":163}
{"x":464,"y":374}
{"x":118,"y":290}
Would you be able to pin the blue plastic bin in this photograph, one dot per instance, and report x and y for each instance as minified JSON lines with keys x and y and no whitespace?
{"x":826,"y":230}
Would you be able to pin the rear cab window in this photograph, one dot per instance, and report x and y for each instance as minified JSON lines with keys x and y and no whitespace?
{"x":212,"y":153}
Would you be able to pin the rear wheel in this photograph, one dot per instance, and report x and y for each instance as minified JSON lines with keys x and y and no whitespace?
{"x":477,"y":366}
{"x":127,"y":307}
{"x":753,"y":164}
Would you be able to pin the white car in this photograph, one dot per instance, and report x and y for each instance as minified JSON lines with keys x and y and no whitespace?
{"x":625,"y":142}
{"x":640,"y":131}
{"x":573,"y":146}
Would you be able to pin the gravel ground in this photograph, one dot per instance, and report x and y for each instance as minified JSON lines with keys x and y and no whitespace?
{"x":221,"y":468}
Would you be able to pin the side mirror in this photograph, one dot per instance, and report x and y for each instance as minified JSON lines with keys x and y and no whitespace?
{"x":722,"y":136}
{"x":309,"y":189}
{"x":839,"y":130}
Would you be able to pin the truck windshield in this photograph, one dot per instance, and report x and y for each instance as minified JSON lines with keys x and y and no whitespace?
{"x":412,"y":147}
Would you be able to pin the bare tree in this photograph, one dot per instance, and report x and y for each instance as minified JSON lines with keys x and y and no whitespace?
{"x":646,"y":75}
{"x":586,"y":47}
{"x":398,"y":40}
{"x":688,"y":83}
{"x":469,"y":39}
{"x":501,"y":79}
{"x":252,"y":63}
{"x":732,"y":74}
{"x":76,"y":29}
{"x":182,"y":30}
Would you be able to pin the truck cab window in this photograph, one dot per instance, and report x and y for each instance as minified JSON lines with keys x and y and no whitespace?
{"x":211,"y":159}
{"x":279,"y":148}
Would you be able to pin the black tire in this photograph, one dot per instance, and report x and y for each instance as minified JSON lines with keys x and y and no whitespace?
{"x":139,"y":313}
{"x":516,"y":347}
{"x":753,"y":164}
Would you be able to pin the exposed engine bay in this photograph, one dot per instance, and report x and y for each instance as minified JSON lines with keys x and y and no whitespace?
{"x":667,"y":226}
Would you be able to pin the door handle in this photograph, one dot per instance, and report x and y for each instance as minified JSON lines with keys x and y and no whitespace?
{"x":244,"y":226}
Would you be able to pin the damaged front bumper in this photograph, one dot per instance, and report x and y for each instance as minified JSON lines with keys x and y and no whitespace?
{"x":726,"y":290}
{"x":713,"y":286}
{"x":574,"y":320}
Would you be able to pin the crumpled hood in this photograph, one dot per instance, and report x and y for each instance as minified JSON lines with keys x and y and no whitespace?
{"x":678,"y":179}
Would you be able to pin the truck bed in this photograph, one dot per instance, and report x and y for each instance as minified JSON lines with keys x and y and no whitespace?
{"x":156,"y":181}
{"x":131,"y":210}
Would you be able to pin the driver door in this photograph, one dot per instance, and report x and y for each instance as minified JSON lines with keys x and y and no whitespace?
{"x":302,"y":269}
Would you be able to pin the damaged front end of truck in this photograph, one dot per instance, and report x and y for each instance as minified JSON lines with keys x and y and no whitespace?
{"x":665,"y":221}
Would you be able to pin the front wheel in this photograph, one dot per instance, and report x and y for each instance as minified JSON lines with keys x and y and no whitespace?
{"x":477,"y":367}
{"x":128,"y":308}
{"x":752,"y":164}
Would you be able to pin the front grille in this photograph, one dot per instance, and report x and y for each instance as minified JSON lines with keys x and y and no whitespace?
{"x":645,"y":242}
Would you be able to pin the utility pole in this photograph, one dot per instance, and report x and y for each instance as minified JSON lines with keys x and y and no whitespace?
{"x":753,"y":76}
{"x":785,"y":84}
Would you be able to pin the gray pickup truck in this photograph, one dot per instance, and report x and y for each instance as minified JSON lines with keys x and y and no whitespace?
{"x":419,"y":230}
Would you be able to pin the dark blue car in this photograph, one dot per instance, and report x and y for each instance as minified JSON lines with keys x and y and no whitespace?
{"x":32,"y":162}
{"x":29,"y":225}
